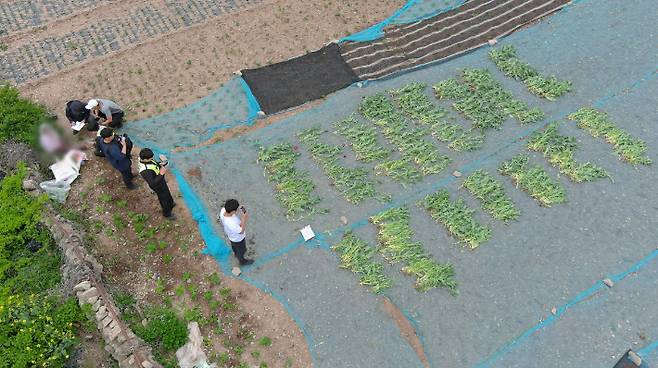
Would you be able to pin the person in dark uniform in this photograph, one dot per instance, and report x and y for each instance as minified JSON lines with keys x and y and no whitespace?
{"x":153,"y":173}
{"x":77,"y":111}
{"x":117,"y":152}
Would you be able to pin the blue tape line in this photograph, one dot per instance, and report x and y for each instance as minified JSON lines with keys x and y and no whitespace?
{"x":644,"y":352}
{"x":598,"y":286}
{"x":302,"y":326}
{"x":376,"y":31}
{"x":254,"y":106}
{"x":432,"y":14}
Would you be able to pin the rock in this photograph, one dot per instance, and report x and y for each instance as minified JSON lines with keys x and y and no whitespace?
{"x":147,"y":364}
{"x":553,"y":311}
{"x":93,"y":300}
{"x":343,"y":219}
{"x":635,"y":358}
{"x":456,"y":174}
{"x":609,"y":283}
{"x":89,"y":294}
{"x":83,"y":286}
{"x":29,"y":185}
{"x":236,"y":271}
{"x":106,"y":321}
{"x":492,"y":41}
{"x":88,"y":337}
{"x":145,"y":322}
{"x":101,"y":313}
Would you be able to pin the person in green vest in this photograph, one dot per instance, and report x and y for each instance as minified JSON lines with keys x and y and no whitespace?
{"x":153,"y":173}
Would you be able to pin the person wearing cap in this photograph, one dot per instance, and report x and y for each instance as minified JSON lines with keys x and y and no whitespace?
{"x":107,"y":110}
{"x":153,"y":173}
{"x":116,"y":152}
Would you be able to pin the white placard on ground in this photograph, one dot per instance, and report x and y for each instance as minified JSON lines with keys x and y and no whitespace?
{"x":307,"y":233}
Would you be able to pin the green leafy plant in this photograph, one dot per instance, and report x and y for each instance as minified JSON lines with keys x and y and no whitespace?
{"x":413,"y":102}
{"x":351,"y":183}
{"x":410,"y":142}
{"x":164,"y":329}
{"x":534,"y":180}
{"x":508,"y":62}
{"x":559,"y":150}
{"x":457,"y":217}
{"x":597,"y":124}
{"x":19,"y":117}
{"x":357,"y":256}
{"x":401,"y":170}
{"x":294,"y":189}
{"x":265,"y":341}
{"x":363,"y":139}
{"x":491,"y":193}
{"x":394,"y":236}
{"x":478,"y":96}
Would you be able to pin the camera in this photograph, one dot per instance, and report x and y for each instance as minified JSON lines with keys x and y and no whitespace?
{"x":244,"y":210}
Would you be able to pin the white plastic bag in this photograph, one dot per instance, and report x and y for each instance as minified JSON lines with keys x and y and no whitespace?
{"x":56,"y":190}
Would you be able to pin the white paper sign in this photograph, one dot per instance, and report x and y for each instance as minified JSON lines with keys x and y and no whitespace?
{"x":77,"y":125}
{"x":307,"y":233}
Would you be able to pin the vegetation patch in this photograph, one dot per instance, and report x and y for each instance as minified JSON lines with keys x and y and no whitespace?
{"x":357,"y":256}
{"x":491,"y":193}
{"x":19,"y":117}
{"x":597,"y":124}
{"x":549,"y":88}
{"x":481,"y":99}
{"x":363,"y":139}
{"x":394,"y":236}
{"x":401,"y":170}
{"x":559,"y":150}
{"x":413,"y":102}
{"x":409,"y":142}
{"x":534,"y":180}
{"x":351,"y":183}
{"x":294,"y":189}
{"x":457,"y":217}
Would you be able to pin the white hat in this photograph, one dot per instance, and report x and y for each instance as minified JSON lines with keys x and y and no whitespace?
{"x":91,"y":104}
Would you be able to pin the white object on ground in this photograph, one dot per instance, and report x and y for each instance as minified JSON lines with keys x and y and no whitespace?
{"x":191,"y":354}
{"x":65,"y":171}
{"x":307,"y":233}
{"x":77,"y":125}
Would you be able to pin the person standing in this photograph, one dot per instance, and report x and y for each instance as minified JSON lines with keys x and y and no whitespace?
{"x":153,"y":173}
{"x":108,"y":110}
{"x":116,"y":152}
{"x":234,"y":226}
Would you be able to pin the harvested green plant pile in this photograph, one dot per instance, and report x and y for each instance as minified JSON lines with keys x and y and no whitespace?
{"x":394,"y":236}
{"x":352,"y":183}
{"x":413,"y":102}
{"x":478,"y":96}
{"x":457,"y":218}
{"x":357,"y":256}
{"x":534,"y":180}
{"x":409,"y":141}
{"x":294,"y":189}
{"x":363,"y":139}
{"x":559,"y":151}
{"x":549,"y":88}
{"x":491,"y":193}
{"x":597,"y":124}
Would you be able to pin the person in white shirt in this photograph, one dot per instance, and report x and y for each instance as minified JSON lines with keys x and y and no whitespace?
{"x":234,"y":227}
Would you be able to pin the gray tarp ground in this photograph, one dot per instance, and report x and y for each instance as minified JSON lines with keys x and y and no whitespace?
{"x":511,"y":282}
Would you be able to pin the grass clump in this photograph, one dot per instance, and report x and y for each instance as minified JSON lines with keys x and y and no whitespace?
{"x":597,"y":124}
{"x":410,"y":142}
{"x":401,"y":170}
{"x":351,"y":183}
{"x":294,"y":189}
{"x":413,"y":102}
{"x":394,"y":235}
{"x":357,"y":256}
{"x":549,"y":88}
{"x":491,"y":193}
{"x":19,"y":117}
{"x":164,"y":329}
{"x":481,"y":99}
{"x":559,"y":150}
{"x":457,"y":217}
{"x":363,"y":139}
{"x":534,"y":180}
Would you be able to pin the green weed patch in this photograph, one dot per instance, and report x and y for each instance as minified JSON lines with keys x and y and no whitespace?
{"x":394,"y":236}
{"x":597,"y":124}
{"x":457,"y":217}
{"x":363,"y":139}
{"x":294,"y":189}
{"x":559,"y":151}
{"x":409,"y":141}
{"x":401,"y":170}
{"x":19,"y":117}
{"x":534,"y":180}
{"x":491,"y":193}
{"x":481,"y":99}
{"x":549,"y":88}
{"x":357,"y":256}
{"x":351,"y":183}
{"x":413,"y":102}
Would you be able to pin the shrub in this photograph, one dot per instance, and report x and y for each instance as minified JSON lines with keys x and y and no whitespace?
{"x":19,"y":117}
{"x":164,"y":328}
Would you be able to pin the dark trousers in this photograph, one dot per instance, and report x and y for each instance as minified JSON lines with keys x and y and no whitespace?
{"x":165,"y":199}
{"x":127,"y":176}
{"x":240,"y":248}
{"x":117,"y":120}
